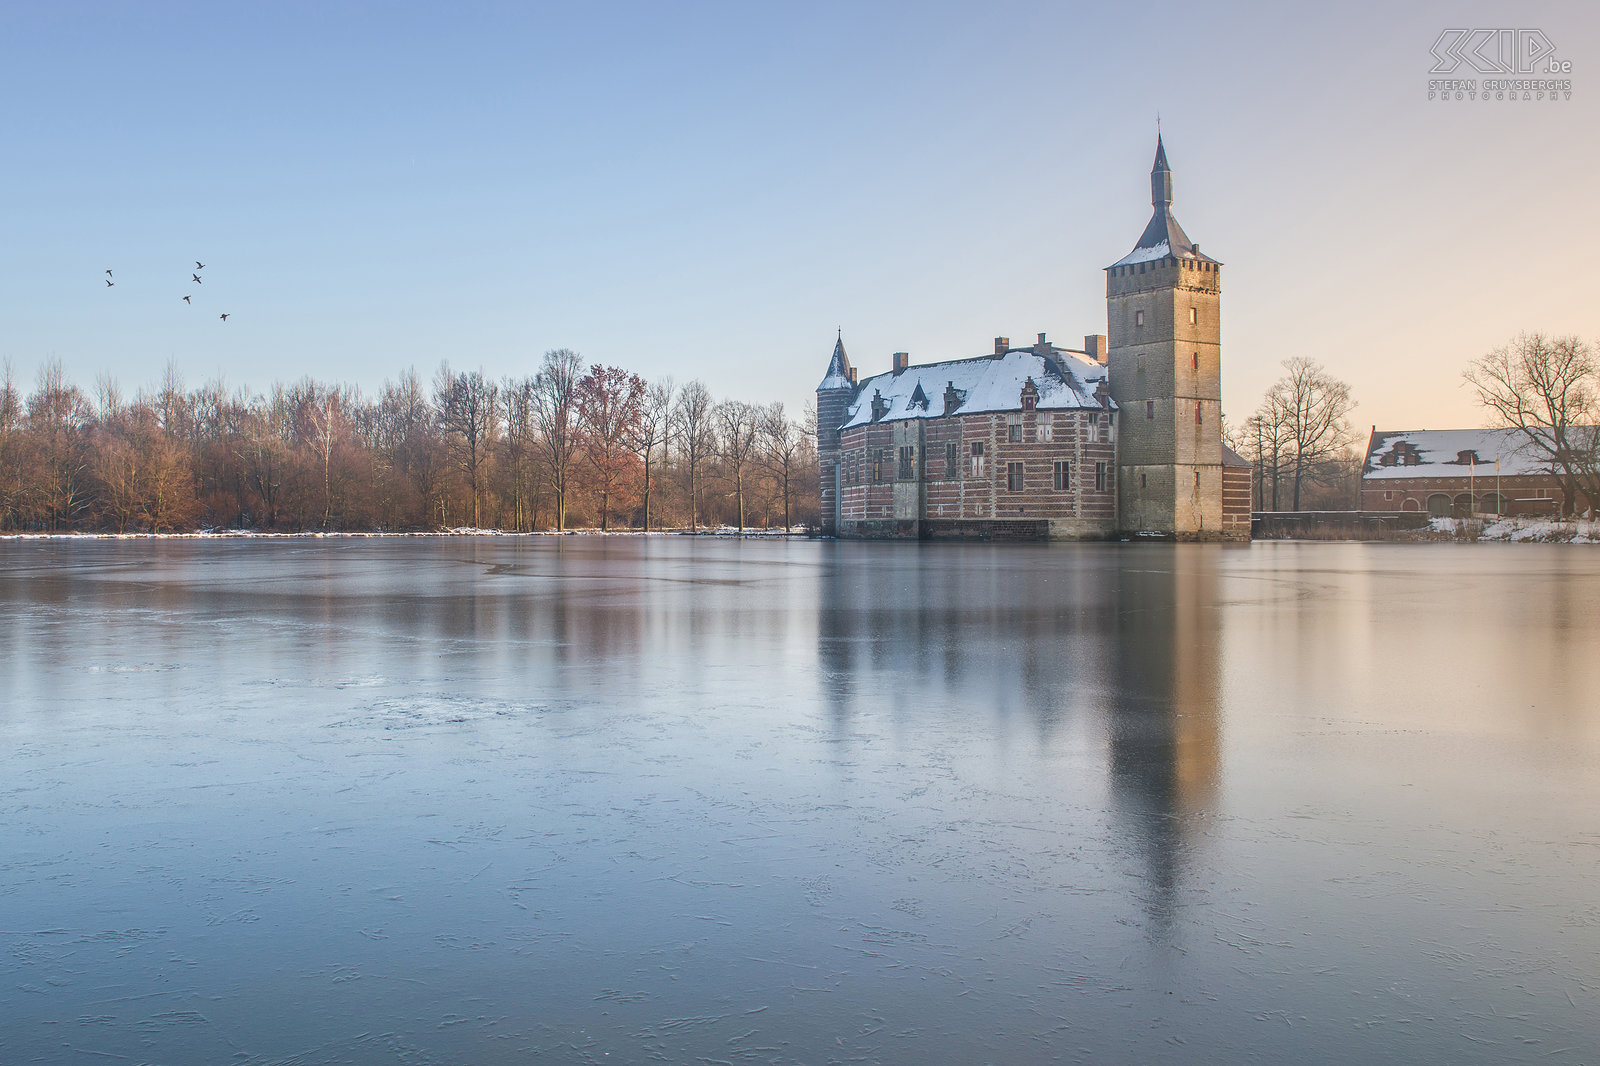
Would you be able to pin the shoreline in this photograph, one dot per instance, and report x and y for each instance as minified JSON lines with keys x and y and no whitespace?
{"x":246,"y":534}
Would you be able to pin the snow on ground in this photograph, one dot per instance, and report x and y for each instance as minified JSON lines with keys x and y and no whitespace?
{"x":1513,"y":529}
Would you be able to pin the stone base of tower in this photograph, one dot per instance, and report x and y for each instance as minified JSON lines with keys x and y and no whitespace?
{"x":1175,"y":502}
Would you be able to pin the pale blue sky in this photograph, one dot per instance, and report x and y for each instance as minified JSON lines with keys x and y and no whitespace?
{"x":709,"y":189}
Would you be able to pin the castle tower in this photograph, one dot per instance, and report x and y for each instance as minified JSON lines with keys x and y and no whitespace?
{"x":834,"y":396}
{"x":1165,"y":365}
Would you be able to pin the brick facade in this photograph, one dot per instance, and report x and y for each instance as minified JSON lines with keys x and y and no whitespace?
{"x":921,"y":477}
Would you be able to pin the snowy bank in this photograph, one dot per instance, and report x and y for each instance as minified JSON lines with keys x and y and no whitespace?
{"x":1517,"y":530}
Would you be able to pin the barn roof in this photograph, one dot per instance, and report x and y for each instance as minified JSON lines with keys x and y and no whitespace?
{"x":1451,"y":453}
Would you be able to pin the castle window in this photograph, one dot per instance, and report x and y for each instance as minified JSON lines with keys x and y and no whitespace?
{"x":951,"y":459}
{"x":1014,"y":432}
{"x":1014,"y":477}
{"x":1138,"y":318}
{"x":1061,"y":480}
{"x":1046,"y":428}
{"x":877,"y":465}
{"x":1197,"y":360}
{"x":1197,"y":412}
{"x":1194,"y":316}
{"x":1143,"y":482}
{"x":1100,"y":477}
{"x":1149,"y":410}
{"x":907,"y":461}
{"x":977,"y":458}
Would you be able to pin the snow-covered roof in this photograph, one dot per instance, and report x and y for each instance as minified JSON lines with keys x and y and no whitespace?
{"x":1066,"y":380}
{"x":1145,"y":255}
{"x":1451,"y":453}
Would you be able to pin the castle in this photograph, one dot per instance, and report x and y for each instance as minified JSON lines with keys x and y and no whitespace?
{"x":1122,"y":437}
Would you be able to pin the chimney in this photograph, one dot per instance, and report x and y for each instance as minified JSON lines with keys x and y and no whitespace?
{"x":901,"y":361}
{"x":1042,"y":341}
{"x":1095,"y":346}
{"x":880,"y":406}
{"x":1001,"y":344}
{"x":952,"y":397}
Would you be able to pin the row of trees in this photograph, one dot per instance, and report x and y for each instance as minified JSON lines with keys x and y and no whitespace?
{"x":570,"y":445}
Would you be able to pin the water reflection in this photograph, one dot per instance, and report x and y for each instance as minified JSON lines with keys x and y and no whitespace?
{"x":1131,"y":640}
{"x":689,"y":799}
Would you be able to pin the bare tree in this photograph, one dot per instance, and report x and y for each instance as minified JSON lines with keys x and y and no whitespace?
{"x":692,"y":428}
{"x":1548,"y":388}
{"x":521,"y":439}
{"x":11,"y":475}
{"x":324,"y":409}
{"x":57,"y":418}
{"x":653,"y":430}
{"x":781,"y":442}
{"x":468,"y":406}
{"x":555,"y":411}
{"x":1305,"y":417}
{"x":736,"y":425}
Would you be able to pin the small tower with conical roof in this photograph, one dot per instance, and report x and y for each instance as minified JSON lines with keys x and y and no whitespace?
{"x":834,"y":397}
{"x":1163,"y":308}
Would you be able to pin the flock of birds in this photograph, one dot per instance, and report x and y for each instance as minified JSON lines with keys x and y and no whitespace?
{"x":195,"y":274}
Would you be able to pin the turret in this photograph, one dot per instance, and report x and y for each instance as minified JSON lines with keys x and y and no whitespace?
{"x":834,"y":397}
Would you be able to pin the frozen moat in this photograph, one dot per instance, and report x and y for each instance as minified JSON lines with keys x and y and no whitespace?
{"x":585,"y":800}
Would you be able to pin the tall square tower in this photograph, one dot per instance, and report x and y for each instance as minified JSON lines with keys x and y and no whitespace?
{"x":1163,"y":309}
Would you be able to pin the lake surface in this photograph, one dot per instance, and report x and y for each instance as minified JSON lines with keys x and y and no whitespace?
{"x":585,"y":800}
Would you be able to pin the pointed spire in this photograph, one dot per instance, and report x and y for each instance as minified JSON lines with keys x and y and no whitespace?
{"x":1160,"y":177}
{"x":1163,"y":236}
{"x":838,"y":376}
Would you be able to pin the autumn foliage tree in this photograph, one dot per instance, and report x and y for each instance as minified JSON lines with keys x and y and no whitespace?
{"x":610,"y":406}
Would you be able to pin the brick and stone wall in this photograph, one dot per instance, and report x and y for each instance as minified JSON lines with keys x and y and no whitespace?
{"x":878,"y":499}
{"x":1520,"y":495}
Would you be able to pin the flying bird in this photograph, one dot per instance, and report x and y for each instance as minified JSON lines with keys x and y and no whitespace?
{"x":196,"y":278}
{"x":199,"y":265}
{"x":186,"y":300}
{"x":108,"y":273}
{"x":224,"y":318}
{"x":109,"y":283}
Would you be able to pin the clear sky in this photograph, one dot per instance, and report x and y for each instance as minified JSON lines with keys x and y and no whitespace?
{"x":710,"y":189}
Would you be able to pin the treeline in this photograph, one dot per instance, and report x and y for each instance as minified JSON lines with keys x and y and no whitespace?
{"x":570,"y":446}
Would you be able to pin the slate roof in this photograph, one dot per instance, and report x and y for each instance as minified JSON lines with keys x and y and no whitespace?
{"x":1162,"y":237}
{"x":1066,"y":381}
